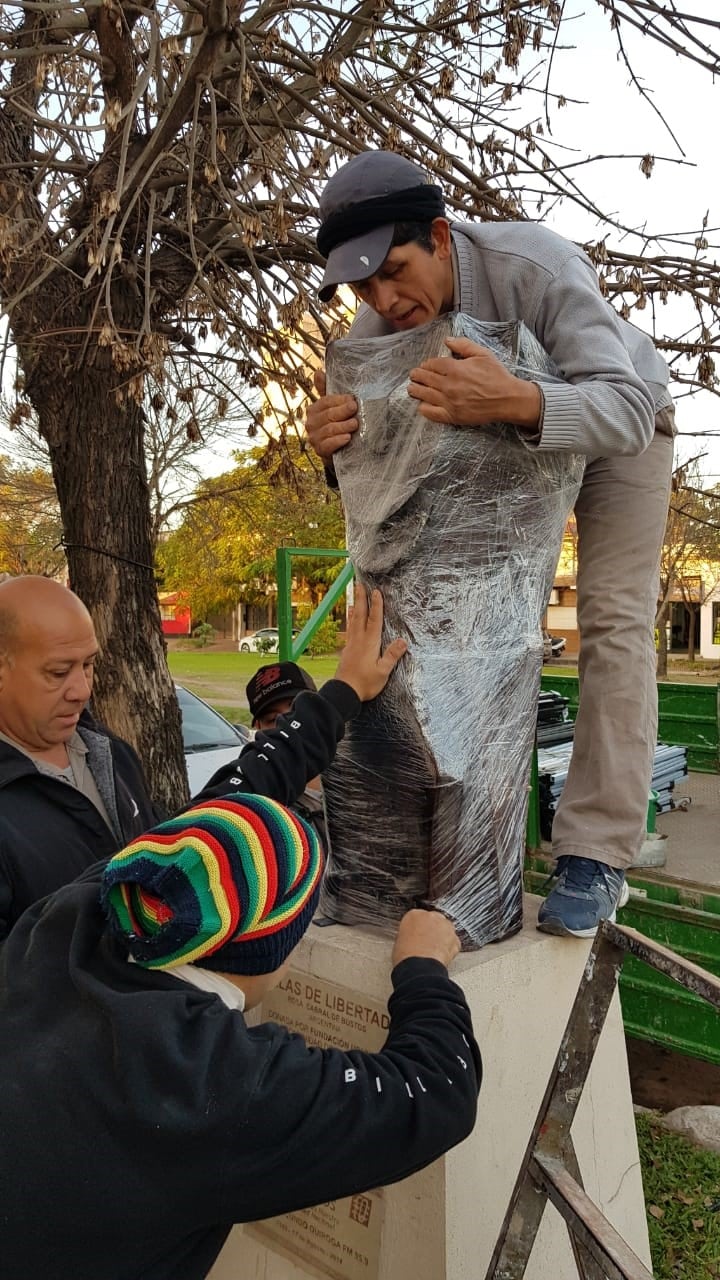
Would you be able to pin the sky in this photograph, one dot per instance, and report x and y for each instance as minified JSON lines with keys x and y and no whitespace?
{"x":609,"y":117}
{"x":613,"y":118}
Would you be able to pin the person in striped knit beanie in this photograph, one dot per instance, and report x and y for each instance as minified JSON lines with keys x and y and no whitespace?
{"x":230,"y":885}
{"x":141,"y":1113}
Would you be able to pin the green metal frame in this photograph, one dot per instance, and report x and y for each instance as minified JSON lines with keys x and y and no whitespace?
{"x":289,"y":651}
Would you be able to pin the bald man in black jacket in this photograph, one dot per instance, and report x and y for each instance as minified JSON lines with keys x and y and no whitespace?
{"x":70,"y":791}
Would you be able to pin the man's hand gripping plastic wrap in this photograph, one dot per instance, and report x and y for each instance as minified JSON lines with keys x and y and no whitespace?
{"x":460,"y":528}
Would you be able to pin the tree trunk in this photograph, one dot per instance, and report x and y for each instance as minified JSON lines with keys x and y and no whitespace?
{"x":691,"y":633}
{"x":95,"y":437}
{"x":662,"y":658}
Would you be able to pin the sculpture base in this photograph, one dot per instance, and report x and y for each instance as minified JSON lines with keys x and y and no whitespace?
{"x":442,"y":1223}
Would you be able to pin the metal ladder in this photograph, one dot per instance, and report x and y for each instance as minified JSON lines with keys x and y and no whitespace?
{"x":549,"y":1170}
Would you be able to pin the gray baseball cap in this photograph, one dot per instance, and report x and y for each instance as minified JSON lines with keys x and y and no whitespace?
{"x":374,"y":190}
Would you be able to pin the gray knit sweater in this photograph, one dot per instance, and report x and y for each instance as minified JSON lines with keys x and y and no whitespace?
{"x":614,"y":379}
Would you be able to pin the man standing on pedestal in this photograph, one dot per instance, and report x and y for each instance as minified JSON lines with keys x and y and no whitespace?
{"x":384,"y":232}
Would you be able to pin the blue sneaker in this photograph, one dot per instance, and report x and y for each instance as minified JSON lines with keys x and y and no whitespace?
{"x":586,"y":893}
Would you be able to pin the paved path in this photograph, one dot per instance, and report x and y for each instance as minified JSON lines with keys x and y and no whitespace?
{"x":693,"y":837}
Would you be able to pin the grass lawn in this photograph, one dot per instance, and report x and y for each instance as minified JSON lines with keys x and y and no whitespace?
{"x":678,"y":672}
{"x":220,"y":677}
{"x":682,"y":1196}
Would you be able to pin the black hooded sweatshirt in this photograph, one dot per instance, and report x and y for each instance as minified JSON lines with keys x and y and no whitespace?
{"x":141,"y":1117}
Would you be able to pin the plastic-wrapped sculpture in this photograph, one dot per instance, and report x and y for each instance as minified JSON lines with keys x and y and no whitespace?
{"x":461,"y":530}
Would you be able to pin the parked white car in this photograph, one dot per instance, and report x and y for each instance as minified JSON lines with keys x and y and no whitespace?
{"x":209,"y":740}
{"x":266,"y":640}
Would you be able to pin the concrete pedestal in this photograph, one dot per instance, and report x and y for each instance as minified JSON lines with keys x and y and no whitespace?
{"x":442,"y":1223}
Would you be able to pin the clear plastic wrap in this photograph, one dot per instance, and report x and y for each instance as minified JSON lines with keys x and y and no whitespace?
{"x":460,"y":528}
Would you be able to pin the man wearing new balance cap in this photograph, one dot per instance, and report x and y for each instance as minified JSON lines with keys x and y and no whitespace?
{"x":281,"y":764}
{"x":272,"y":690}
{"x":140,"y":1115}
{"x":271,"y":693}
{"x":384,"y":232}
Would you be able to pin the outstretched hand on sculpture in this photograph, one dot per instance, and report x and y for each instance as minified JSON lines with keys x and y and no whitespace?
{"x":364,"y":665}
{"x":471,"y":387}
{"x":279,"y":764}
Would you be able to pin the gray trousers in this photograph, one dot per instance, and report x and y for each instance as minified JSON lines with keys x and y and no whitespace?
{"x":621,"y":514}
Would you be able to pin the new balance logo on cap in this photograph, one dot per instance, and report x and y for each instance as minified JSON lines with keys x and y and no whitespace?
{"x":267,"y":676}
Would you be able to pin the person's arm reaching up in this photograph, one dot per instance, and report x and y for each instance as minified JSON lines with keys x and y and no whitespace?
{"x":281,"y":762}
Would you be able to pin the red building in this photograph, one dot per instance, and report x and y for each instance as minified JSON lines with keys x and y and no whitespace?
{"x":174,"y":614}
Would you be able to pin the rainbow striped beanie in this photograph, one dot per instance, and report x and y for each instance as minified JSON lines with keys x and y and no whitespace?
{"x":230,"y":885}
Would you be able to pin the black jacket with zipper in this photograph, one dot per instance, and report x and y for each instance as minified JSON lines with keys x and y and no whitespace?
{"x":50,"y":832}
